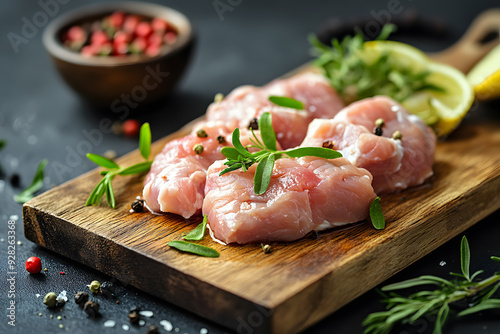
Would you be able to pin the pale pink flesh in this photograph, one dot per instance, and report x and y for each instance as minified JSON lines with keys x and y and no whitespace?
{"x":304,"y":194}
{"x":176,"y":181}
{"x":248,"y":102}
{"x":394,"y":164}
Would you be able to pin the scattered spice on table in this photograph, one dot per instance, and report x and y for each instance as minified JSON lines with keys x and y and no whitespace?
{"x":91,"y":308}
{"x":81,"y":297}
{"x":94,"y":287}
{"x":50,"y":299}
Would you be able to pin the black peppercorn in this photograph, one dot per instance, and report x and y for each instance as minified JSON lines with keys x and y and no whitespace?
{"x":152,"y":329}
{"x":107,"y":289}
{"x":202,"y":133}
{"x":254,"y":124}
{"x":15,"y":180}
{"x":81,"y":297}
{"x":378,"y":131}
{"x":134,"y":317}
{"x":221,"y":139}
{"x":91,"y":308}
{"x":138,"y":205}
{"x":328,"y":144}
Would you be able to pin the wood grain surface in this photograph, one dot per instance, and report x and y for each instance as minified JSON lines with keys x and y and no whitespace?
{"x":298,"y":283}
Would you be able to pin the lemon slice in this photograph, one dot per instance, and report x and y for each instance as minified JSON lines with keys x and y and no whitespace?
{"x":442,"y":110}
{"x":485,"y":76}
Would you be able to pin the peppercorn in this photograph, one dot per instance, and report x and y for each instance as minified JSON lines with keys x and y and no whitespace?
{"x":138,"y":205}
{"x":266,"y":249}
{"x":254,"y":124}
{"x":198,"y":149}
{"x":94,"y":287}
{"x":91,"y":308}
{"x":221,"y":139}
{"x":152,"y":329}
{"x":107,"y":289}
{"x":33,"y":265}
{"x":50,"y":299}
{"x":134,"y":317}
{"x":328,"y":144}
{"x":201,"y":133}
{"x":81,"y":297}
{"x":15,"y":180}
{"x":397,"y":135}
{"x":379,"y":123}
{"x":218,"y":97}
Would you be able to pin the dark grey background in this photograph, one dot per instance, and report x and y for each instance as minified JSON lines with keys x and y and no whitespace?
{"x":254,"y":43}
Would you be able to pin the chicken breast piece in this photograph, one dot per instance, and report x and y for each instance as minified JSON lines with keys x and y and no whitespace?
{"x":246,"y":103}
{"x":395,"y":164}
{"x":304,"y":194}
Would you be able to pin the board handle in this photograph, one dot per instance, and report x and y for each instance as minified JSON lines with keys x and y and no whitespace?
{"x":481,"y":37}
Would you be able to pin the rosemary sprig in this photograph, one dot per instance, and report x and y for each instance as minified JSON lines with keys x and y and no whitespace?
{"x":356,"y":78}
{"x":240,"y":158}
{"x":438,"y":302}
{"x":36,"y":185}
{"x":104,"y":187}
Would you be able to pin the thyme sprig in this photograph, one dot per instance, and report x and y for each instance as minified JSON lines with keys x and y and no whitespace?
{"x":438,"y":302}
{"x":356,"y":78}
{"x":113,"y":169}
{"x":240,"y":158}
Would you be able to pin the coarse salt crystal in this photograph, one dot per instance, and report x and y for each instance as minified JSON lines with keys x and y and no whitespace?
{"x":167,"y":325}
{"x":141,"y":322}
{"x":203,"y":331}
{"x":14,"y":217}
{"x":125,"y":327}
{"x":442,"y":263}
{"x":148,"y":314}
{"x":110,"y":323}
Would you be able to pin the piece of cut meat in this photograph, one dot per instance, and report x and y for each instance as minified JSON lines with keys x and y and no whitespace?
{"x":394,"y":164}
{"x":304,"y":194}
{"x":246,"y":103}
{"x":176,"y":181}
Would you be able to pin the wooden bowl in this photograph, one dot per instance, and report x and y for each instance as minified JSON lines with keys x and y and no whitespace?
{"x":125,"y":81}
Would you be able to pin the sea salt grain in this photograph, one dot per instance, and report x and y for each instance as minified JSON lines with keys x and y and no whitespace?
{"x":167,"y":325}
{"x":14,"y":217}
{"x":203,"y":331}
{"x":110,"y":323}
{"x":442,"y":263}
{"x":142,"y":322}
{"x":125,"y":327}
{"x":148,"y":314}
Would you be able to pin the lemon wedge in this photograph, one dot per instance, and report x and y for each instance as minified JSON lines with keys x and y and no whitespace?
{"x":485,"y":76}
{"x":443,"y":110}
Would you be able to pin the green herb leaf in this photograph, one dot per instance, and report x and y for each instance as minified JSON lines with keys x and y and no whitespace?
{"x":237,"y":144}
{"x":495,"y":258}
{"x":263,"y":174}
{"x":2,"y":144}
{"x":104,"y":186}
{"x":36,"y":184}
{"x":266,"y":131}
{"x":356,"y":77}
{"x":230,"y":153}
{"x":465,"y":258}
{"x":199,"y":232}
{"x":102,"y":161}
{"x":376,"y":215}
{"x":287,"y":102}
{"x":145,"y":141}
{"x":190,"y":247}
{"x":139,"y":168}
{"x":319,"y":152}
{"x":441,"y":318}
{"x":485,"y":305}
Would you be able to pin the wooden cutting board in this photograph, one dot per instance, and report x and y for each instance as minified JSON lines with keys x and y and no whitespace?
{"x":300,"y":282}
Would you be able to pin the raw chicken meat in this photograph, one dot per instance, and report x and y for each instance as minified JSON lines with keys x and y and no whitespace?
{"x":304,"y":194}
{"x":394,"y":164}
{"x":176,"y":181}
{"x":246,"y":103}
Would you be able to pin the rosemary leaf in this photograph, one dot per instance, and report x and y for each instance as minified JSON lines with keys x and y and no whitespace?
{"x":102,"y":161}
{"x":376,"y":215}
{"x":145,"y":141}
{"x":190,"y":247}
{"x":465,"y":258}
{"x":263,"y":174}
{"x":199,"y":232}
{"x":36,"y":184}
{"x":287,"y":102}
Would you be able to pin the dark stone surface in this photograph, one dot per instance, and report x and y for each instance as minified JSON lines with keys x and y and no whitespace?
{"x":256,"y":41}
